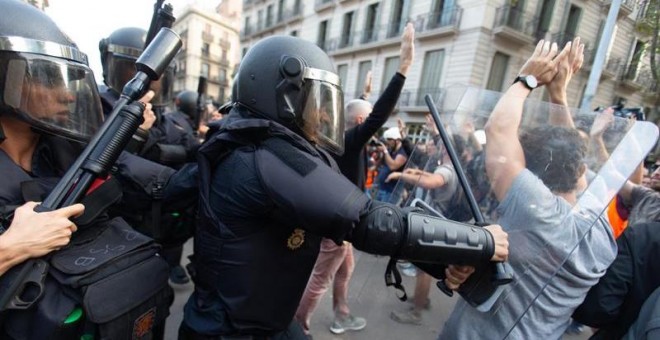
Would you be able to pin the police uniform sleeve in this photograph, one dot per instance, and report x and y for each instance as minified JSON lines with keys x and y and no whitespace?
{"x":306,"y":190}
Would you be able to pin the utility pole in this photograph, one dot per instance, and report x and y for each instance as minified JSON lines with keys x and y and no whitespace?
{"x":599,"y":60}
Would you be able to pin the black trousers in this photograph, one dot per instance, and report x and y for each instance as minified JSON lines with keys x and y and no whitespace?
{"x":293,"y":332}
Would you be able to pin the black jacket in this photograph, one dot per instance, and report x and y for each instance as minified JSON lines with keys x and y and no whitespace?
{"x":353,"y":163}
{"x":614,"y":303}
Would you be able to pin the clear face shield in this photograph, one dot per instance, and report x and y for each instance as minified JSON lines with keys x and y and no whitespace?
{"x":543,"y":256}
{"x":52,"y":94}
{"x":121,"y":69}
{"x":322,"y":118}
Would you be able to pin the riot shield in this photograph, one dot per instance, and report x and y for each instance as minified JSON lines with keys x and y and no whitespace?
{"x":558,"y":250}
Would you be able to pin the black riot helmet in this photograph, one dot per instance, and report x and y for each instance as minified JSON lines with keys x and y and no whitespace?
{"x":186,"y":102}
{"x":293,"y":82}
{"x":119,"y":51}
{"x":45,"y":80}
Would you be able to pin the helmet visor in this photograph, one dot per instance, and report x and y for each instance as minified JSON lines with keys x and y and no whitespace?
{"x":53,"y":95}
{"x":322,"y":120}
{"x":120,"y":71}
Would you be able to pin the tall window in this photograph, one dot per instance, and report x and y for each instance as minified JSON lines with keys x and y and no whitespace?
{"x":370,"y":32}
{"x":206,"y":49}
{"x":205,"y":70}
{"x":391,"y":66}
{"x":443,"y":13}
{"x":280,"y":10}
{"x":342,"y":72}
{"x":545,"y":17}
{"x":246,"y":27}
{"x":260,"y":19}
{"x":323,"y":32}
{"x":346,"y":34}
{"x":498,"y":71}
{"x":572,"y":23}
{"x":431,"y":73}
{"x":297,"y":7}
{"x":269,"y":15}
{"x":363,"y":68}
{"x":396,"y":24}
{"x":635,"y":60}
{"x":515,"y":14}
{"x":223,"y":75}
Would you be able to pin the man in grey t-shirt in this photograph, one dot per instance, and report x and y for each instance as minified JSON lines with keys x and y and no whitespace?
{"x":561,"y":246}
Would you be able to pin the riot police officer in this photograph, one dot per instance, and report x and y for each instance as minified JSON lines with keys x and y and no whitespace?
{"x":270,"y":190}
{"x":167,"y":143}
{"x":49,"y":108}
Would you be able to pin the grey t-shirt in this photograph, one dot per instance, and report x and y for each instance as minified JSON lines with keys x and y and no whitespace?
{"x":441,"y":197}
{"x":544,"y":230}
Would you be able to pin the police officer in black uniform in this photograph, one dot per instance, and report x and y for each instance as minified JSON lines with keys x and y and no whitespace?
{"x":168,"y":142}
{"x":270,"y":190}
{"x":186,"y":110}
{"x":49,"y":107}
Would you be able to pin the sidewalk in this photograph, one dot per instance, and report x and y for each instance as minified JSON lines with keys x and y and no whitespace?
{"x":369,"y":298}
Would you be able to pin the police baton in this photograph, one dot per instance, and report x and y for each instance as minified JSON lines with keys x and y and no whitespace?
{"x":503,"y":275}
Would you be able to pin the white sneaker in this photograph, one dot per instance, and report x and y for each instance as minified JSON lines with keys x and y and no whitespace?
{"x":350,"y":323}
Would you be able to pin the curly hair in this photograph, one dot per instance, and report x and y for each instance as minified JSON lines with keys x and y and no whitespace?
{"x":556,"y":155}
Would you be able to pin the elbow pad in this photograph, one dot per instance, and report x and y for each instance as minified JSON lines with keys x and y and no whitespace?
{"x":408,"y":234}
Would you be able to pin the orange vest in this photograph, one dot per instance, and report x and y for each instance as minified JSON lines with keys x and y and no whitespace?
{"x":618,"y":223}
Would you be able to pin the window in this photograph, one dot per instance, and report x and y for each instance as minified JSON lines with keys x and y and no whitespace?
{"x":443,"y":13}
{"x":269,"y":15}
{"x":572,"y":23}
{"x":635,"y":60}
{"x":246,"y":27}
{"x":391,"y":66}
{"x":346,"y":34}
{"x":205,"y":70}
{"x":280,"y":11}
{"x":431,"y":74}
{"x":515,"y":15}
{"x":223,"y":75}
{"x":370,"y":32}
{"x":545,"y":17}
{"x":206,"y":49}
{"x":322,"y":36}
{"x":396,"y":24}
{"x":364,"y":68}
{"x":342,"y":72}
{"x":260,"y":19}
{"x":294,"y":33}
{"x":498,"y":71}
{"x":297,"y":7}
{"x":245,"y":49}
{"x":224,"y":56}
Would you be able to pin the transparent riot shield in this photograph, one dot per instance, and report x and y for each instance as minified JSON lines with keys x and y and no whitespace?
{"x":558,"y":249}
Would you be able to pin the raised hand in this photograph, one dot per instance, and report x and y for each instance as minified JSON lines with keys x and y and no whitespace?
{"x":542,"y":64}
{"x":569,"y":62}
{"x":407,"y":53}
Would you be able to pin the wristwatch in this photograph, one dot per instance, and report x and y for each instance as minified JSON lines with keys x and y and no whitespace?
{"x":529,"y":81}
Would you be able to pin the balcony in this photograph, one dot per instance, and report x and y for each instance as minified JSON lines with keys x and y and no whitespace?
{"x":635,"y":78}
{"x":321,"y":5}
{"x":438,"y":24}
{"x":513,"y":25}
{"x":207,"y":37}
{"x":222,"y":81}
{"x":627,"y":7}
{"x":225,"y":44}
{"x":414,"y":98}
{"x":612,"y":68}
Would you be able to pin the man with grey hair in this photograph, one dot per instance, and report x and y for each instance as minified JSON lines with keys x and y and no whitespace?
{"x":335,"y":263}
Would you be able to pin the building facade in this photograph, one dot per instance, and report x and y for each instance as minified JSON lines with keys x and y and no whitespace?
{"x":458,"y":42}
{"x":210,"y":48}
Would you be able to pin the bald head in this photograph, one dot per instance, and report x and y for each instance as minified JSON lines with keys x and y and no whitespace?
{"x":357,"y":111}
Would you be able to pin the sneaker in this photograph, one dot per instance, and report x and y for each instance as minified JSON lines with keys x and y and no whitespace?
{"x":409,"y":271}
{"x":408,"y":316}
{"x":178,"y":275}
{"x":350,"y":323}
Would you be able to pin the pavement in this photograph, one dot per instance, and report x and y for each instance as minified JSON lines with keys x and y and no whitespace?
{"x":368,"y":298}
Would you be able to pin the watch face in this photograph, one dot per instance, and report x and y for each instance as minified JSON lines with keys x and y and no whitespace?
{"x":531,"y":81}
